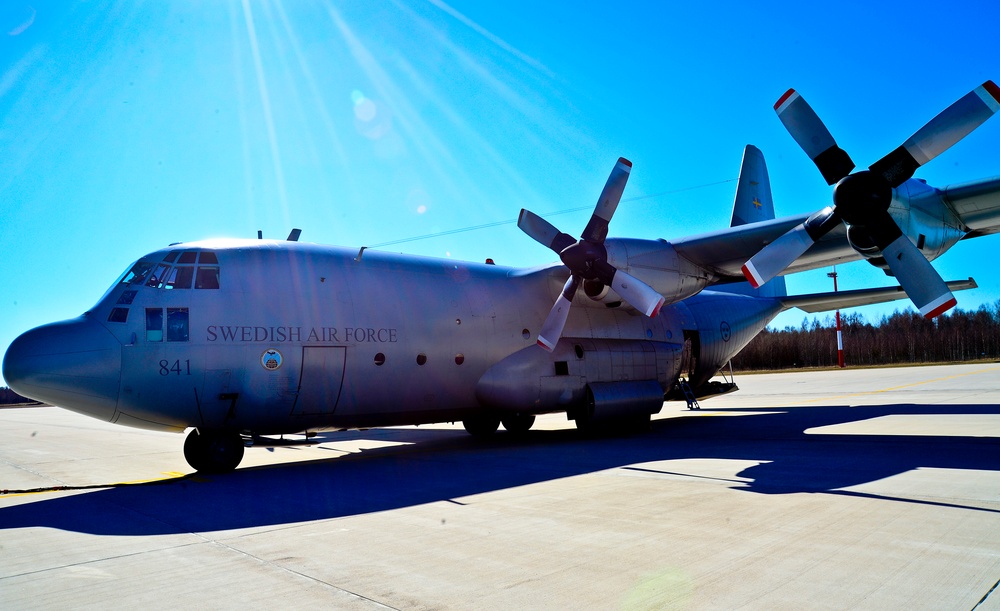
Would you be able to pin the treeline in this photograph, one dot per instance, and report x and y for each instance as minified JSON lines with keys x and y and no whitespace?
{"x":9,"y":397}
{"x":903,"y":337}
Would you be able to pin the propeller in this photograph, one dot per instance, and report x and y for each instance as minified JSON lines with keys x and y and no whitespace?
{"x":587,"y":258}
{"x":862,"y":199}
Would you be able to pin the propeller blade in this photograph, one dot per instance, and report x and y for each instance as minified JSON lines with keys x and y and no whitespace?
{"x":779,"y":254}
{"x":918,"y":278}
{"x":637,"y":293}
{"x":552,"y":328}
{"x":951,"y":125}
{"x":597,"y":228}
{"x":543,"y":231}
{"x":640,"y":295}
{"x":813,"y":137}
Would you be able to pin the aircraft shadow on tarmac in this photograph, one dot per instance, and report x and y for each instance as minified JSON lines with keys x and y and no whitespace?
{"x":439,"y":465}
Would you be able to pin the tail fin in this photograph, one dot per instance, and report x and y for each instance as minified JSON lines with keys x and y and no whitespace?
{"x":753,"y":192}
{"x":753,"y":204}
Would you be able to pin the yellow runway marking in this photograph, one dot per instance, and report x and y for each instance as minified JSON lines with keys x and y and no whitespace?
{"x":171,"y":476}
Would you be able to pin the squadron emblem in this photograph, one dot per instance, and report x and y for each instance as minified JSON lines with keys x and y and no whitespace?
{"x":271,"y":360}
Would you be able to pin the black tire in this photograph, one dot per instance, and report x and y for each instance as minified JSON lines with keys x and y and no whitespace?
{"x":482,"y":425}
{"x":518,"y":424}
{"x":628,"y":425}
{"x":213,"y":451}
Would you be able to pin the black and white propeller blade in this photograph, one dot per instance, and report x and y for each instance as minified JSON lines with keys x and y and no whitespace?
{"x":862,"y":199}
{"x":813,"y":137}
{"x":552,"y":328}
{"x":587,"y":259}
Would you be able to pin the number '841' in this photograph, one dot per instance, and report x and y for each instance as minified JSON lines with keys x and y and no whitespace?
{"x":167,"y":368}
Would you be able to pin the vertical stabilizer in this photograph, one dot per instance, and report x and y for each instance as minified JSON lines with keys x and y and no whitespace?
{"x":753,"y":193}
{"x":753,"y":204}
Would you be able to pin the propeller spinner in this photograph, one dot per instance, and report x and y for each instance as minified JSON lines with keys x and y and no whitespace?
{"x":587,"y":259}
{"x":862,"y":199}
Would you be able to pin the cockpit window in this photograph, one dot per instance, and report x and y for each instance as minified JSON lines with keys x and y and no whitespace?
{"x":178,"y":271}
{"x":208,"y":278}
{"x":154,"y":324}
{"x":156,"y":278}
{"x":177,"y":324}
{"x":179,"y":277}
{"x":138,"y":272}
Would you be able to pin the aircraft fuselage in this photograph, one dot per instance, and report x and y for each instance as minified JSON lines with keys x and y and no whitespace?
{"x":281,"y":337}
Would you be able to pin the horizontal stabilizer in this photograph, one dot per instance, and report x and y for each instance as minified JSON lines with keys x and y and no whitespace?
{"x":824,"y":302}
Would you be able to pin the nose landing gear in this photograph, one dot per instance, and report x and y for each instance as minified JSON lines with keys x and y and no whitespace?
{"x":213,"y":451}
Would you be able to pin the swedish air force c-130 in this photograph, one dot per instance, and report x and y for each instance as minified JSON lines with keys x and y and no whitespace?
{"x":192,"y":336}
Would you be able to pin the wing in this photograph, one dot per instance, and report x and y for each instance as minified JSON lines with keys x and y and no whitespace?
{"x":725,"y":251}
{"x":824,"y":302}
{"x":977,"y":205}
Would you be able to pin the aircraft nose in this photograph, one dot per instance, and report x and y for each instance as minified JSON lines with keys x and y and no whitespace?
{"x":74,"y":364}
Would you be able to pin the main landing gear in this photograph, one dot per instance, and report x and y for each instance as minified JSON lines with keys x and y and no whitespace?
{"x":484,"y":425}
{"x":213,"y":451}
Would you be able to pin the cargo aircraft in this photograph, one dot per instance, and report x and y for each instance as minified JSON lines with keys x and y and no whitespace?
{"x":238,"y":339}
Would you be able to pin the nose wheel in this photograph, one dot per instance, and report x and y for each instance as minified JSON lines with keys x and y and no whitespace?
{"x":213,"y":451}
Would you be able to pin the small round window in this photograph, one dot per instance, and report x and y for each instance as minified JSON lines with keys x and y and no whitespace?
{"x":380,"y":359}
{"x":421,"y":359}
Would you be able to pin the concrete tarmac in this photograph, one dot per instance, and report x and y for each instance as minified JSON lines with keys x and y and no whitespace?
{"x":866,"y":489}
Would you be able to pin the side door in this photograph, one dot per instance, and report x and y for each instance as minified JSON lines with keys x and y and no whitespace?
{"x":322,"y":380}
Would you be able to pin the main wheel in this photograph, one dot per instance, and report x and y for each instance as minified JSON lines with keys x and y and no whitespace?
{"x":213,"y":451}
{"x":625,"y":425}
{"x":518,"y":424}
{"x":481,"y":425}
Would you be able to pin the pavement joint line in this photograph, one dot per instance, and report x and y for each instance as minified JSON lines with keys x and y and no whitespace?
{"x":890,"y":389}
{"x":279,"y":567}
{"x":94,"y":561}
{"x":987,"y":595}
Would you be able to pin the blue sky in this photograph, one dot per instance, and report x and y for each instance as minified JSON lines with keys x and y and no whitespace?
{"x":126,"y":126}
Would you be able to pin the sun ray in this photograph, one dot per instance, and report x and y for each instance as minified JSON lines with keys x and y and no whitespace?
{"x":265,"y":100}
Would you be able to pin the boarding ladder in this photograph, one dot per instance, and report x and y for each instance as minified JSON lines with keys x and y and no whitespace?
{"x":692,"y":401}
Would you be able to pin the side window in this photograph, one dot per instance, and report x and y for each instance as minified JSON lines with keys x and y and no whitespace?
{"x":208,"y":278}
{"x":154,"y":324}
{"x":177,"y":324}
{"x":118,"y":315}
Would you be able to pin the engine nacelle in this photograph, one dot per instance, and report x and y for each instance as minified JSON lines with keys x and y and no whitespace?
{"x":657,"y":263}
{"x":863,"y":244}
{"x":922,"y":215}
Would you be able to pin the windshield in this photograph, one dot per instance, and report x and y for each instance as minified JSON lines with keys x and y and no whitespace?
{"x":133,"y":274}
{"x":137,"y":273}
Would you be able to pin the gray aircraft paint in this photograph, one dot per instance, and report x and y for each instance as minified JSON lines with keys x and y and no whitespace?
{"x":300,"y":337}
